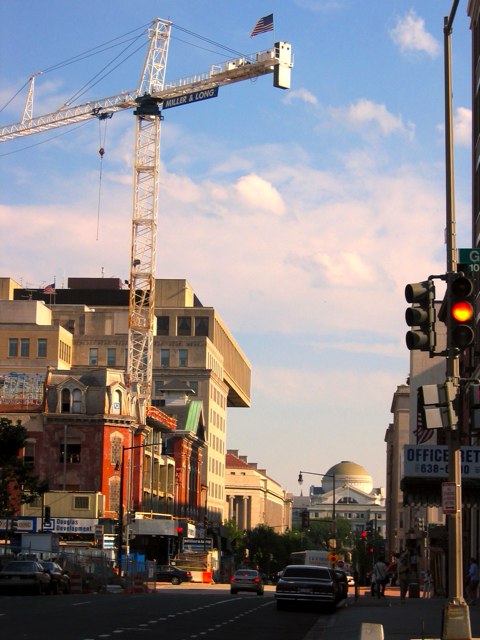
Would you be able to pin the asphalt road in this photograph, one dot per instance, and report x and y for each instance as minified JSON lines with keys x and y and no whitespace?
{"x":176,"y":613}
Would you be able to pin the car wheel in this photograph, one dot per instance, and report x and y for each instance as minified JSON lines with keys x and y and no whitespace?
{"x":54,"y":590}
{"x":281,"y":606}
{"x":176,"y":580}
{"x":260,"y":593}
{"x":233,"y":592}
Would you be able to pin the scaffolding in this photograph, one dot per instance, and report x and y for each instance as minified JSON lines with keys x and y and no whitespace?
{"x":21,"y":391}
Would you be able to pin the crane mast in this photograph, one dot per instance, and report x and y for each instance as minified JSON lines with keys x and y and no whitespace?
{"x":147,"y":100}
{"x":144,"y":219}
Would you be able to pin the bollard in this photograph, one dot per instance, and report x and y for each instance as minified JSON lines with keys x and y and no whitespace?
{"x":371,"y":631}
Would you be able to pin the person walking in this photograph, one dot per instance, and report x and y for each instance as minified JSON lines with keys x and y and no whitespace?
{"x":404,"y":574}
{"x":473,"y":578}
{"x":380,"y":571}
{"x":427,"y":584}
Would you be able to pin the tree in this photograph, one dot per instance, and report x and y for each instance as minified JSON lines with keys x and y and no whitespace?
{"x":18,"y":483}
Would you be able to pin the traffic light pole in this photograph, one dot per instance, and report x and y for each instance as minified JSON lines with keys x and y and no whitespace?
{"x":456,"y":615}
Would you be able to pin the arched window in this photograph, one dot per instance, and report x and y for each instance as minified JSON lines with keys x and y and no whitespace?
{"x":77,"y":401}
{"x":117,"y":402}
{"x":65,"y":401}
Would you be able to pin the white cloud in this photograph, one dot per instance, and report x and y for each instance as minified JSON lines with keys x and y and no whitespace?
{"x":300,"y":94}
{"x":260,"y":194}
{"x":462,"y":124}
{"x":370,"y":117}
{"x":409,"y":34}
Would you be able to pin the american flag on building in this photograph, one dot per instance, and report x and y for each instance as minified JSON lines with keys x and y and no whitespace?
{"x":50,"y":288}
{"x":263,"y":25}
{"x":421,"y":433}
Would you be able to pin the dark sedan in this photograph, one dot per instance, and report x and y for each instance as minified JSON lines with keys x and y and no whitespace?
{"x":59,"y":579}
{"x":24,"y":576}
{"x":307,"y":583}
{"x":170,"y":573}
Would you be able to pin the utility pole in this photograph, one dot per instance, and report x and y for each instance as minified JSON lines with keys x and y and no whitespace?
{"x":456,"y":614}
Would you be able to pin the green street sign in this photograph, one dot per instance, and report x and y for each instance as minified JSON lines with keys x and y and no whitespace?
{"x":470,"y":257}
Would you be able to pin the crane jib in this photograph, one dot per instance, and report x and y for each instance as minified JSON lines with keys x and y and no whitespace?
{"x":196,"y":96}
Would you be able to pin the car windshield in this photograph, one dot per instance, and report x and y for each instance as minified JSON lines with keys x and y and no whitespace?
{"x":20,"y":566}
{"x":307,"y":572}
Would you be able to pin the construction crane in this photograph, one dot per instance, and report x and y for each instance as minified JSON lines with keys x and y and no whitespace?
{"x":148,"y":100}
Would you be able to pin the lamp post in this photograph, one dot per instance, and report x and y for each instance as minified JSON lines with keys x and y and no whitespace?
{"x":120,"y":507}
{"x":324,"y":475}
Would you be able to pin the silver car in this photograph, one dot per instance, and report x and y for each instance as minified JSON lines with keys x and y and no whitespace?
{"x":247,"y":580}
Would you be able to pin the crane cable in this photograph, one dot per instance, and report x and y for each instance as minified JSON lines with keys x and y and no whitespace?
{"x":101,"y":153}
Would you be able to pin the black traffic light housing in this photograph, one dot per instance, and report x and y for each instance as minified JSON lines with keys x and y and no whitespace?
{"x":460,"y":312}
{"x":305,"y":519}
{"x":421,"y":316}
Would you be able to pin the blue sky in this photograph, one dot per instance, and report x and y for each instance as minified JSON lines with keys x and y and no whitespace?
{"x":299,"y":215}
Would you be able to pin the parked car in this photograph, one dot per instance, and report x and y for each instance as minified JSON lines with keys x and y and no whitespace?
{"x":24,"y":576}
{"x":247,"y":580}
{"x":343,"y":582}
{"x":170,"y":573}
{"x":59,"y":579}
{"x":307,"y":583}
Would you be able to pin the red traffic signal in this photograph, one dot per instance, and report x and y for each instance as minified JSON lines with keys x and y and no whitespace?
{"x":364,"y":534}
{"x":460,"y":325}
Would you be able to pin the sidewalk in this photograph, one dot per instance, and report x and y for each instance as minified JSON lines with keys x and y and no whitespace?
{"x":415,"y":618}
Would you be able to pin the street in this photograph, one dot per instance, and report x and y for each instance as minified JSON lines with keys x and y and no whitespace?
{"x":194,"y":611}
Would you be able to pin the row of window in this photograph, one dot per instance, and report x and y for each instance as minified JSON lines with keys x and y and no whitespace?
{"x":165,"y":359}
{"x":185,"y":325}
{"x":21,"y":347}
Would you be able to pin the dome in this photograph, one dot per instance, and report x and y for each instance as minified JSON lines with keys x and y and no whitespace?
{"x":349,"y":473}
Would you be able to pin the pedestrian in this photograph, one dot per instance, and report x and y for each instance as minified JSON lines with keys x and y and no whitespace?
{"x":373,"y":586}
{"x":404,"y":573}
{"x":381,"y":575}
{"x":427,"y":584}
{"x":473,"y":578}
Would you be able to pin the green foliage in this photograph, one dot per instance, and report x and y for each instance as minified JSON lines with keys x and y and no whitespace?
{"x":18,"y":483}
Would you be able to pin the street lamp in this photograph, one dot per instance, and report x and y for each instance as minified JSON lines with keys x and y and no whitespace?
{"x":324,"y":475}
{"x":120,"y":508}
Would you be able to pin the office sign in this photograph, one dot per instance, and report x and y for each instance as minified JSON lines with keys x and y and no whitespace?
{"x":427,"y":461}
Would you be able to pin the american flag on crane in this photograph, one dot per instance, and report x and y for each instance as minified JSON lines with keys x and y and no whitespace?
{"x":263,"y":25}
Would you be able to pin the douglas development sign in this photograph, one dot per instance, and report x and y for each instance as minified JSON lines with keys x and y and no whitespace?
{"x":422,"y":461}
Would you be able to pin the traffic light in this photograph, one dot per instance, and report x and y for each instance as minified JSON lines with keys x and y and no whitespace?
{"x":47,"y":514}
{"x":421,"y":316}
{"x":305,"y":519}
{"x":436,"y":405}
{"x":460,"y":318}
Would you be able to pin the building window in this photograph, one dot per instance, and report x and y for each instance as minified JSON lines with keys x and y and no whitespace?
{"x":81,"y":502}
{"x":184,"y":326}
{"x":164,"y":357}
{"x":93,"y":356}
{"x":65,"y":405}
{"x":77,"y":401}
{"x":25,"y":347}
{"x":73,"y":453}
{"x":42,"y":348}
{"x":12,"y":347}
{"x":117,"y":402}
{"x":116,"y":450}
{"x":163,"y":326}
{"x":111,"y":357}
{"x":201,"y":326}
{"x":193,"y":384}
{"x":183,"y":357}
{"x":29,"y":453}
